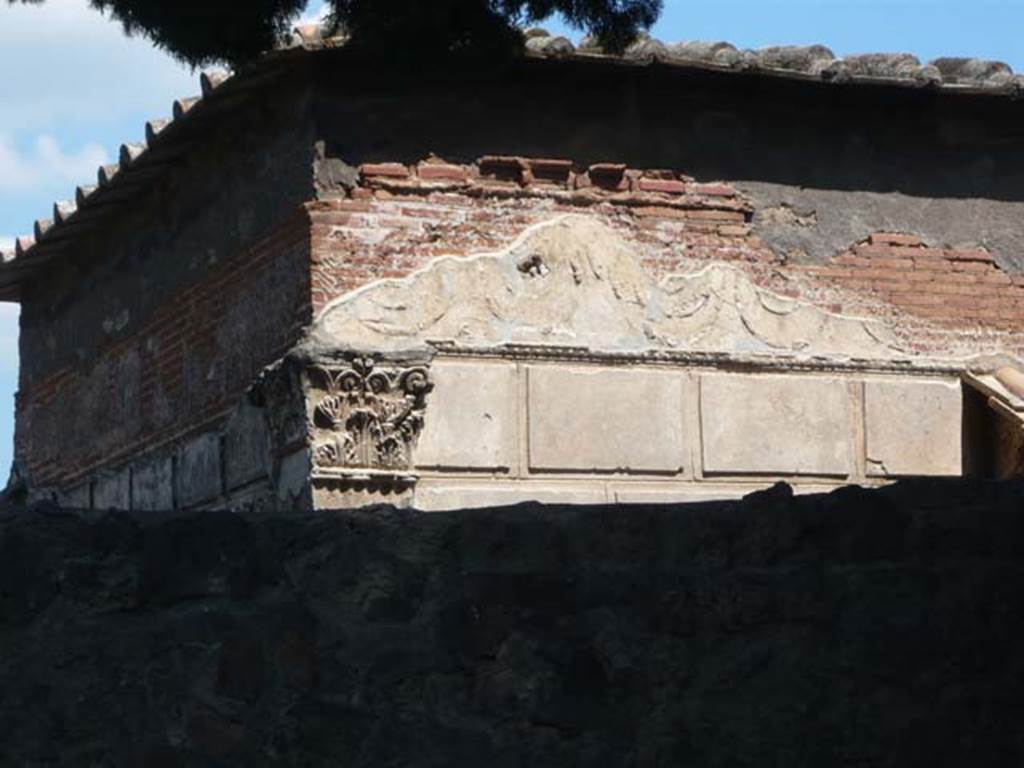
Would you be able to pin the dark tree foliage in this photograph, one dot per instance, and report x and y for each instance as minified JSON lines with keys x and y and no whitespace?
{"x":204,"y":31}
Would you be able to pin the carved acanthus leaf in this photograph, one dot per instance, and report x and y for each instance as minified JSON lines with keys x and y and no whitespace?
{"x":366,"y":417}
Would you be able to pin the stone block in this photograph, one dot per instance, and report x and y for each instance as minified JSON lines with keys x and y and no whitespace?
{"x":777,"y":425}
{"x":113,"y":491}
{"x":77,"y":497}
{"x":294,"y":475}
{"x":683,"y":494}
{"x":153,"y":485}
{"x":605,"y":420}
{"x":452,"y":495}
{"x":913,"y":428}
{"x":691,"y":493}
{"x":199,"y":471}
{"x":247,"y":447}
{"x":471,"y":420}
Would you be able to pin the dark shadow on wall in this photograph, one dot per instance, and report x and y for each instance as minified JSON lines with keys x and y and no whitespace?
{"x":993,"y":441}
{"x":861,"y":627}
{"x":921,"y":142}
{"x":848,"y":159}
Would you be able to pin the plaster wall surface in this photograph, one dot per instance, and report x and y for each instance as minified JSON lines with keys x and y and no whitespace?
{"x":604,"y":421}
{"x":776,"y":425}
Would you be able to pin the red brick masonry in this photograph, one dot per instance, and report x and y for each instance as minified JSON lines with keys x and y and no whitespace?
{"x":185,"y":366}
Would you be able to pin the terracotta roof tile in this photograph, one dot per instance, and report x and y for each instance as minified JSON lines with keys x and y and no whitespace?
{"x":41,"y":227}
{"x":155,"y":127}
{"x":83,"y":192}
{"x":130,"y":153}
{"x":211,"y":81}
{"x":63,"y":210}
{"x":1012,"y":379}
{"x":106,"y":174}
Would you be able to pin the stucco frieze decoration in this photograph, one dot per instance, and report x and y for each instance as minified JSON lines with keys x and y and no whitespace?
{"x":576,"y":282}
{"x":366,"y":416}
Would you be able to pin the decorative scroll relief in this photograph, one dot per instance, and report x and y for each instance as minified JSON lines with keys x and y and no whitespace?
{"x":575,"y":281}
{"x":365,"y":418}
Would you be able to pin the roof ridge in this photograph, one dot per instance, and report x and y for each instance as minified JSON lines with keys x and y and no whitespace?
{"x":800,"y":62}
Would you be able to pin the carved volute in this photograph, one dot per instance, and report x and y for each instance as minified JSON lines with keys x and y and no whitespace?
{"x":366,"y":417}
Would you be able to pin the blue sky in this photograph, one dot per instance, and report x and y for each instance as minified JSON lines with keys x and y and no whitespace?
{"x":74,"y":88}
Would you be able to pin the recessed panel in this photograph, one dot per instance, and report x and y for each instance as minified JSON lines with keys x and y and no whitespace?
{"x":605,"y":420}
{"x":199,"y":471}
{"x":470,"y":417}
{"x":112,"y":491}
{"x":153,"y":486}
{"x":913,"y":428}
{"x":777,"y":425}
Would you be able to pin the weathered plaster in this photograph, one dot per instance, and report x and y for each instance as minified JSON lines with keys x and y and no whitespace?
{"x":574,"y":281}
{"x":811,"y":225}
{"x":865,"y":159}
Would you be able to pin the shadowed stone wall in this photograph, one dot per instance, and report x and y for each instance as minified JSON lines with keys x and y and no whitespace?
{"x":873,"y":628}
{"x":151,"y":329}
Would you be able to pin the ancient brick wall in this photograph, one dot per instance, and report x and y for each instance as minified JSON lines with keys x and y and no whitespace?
{"x":825,"y":166}
{"x":384,"y":278}
{"x":148,"y":329}
{"x":184,"y":367}
{"x":402,"y":216}
{"x":956,"y":288}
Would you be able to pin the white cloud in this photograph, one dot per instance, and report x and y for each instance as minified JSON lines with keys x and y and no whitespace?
{"x":8,"y":338}
{"x":8,"y":335}
{"x":72,"y":62}
{"x":8,"y":347}
{"x":46,"y":163}
{"x":8,"y":380}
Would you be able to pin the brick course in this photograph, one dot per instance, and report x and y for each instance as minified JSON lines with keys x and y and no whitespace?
{"x":186,"y":366}
{"x":953,"y":288}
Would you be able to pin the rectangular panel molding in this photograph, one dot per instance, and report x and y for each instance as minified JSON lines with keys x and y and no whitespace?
{"x":777,"y":425}
{"x":471,"y":418}
{"x":605,"y":420}
{"x":913,"y":428}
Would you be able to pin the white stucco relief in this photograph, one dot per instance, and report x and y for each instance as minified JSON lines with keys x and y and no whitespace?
{"x":575,"y":281}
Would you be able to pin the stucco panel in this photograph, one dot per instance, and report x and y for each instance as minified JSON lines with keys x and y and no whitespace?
{"x":783,"y":425}
{"x":913,"y":428}
{"x":605,"y":420}
{"x":471,"y":418}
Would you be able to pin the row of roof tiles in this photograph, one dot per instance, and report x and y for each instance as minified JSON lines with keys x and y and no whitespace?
{"x":810,"y":62}
{"x":815,"y":61}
